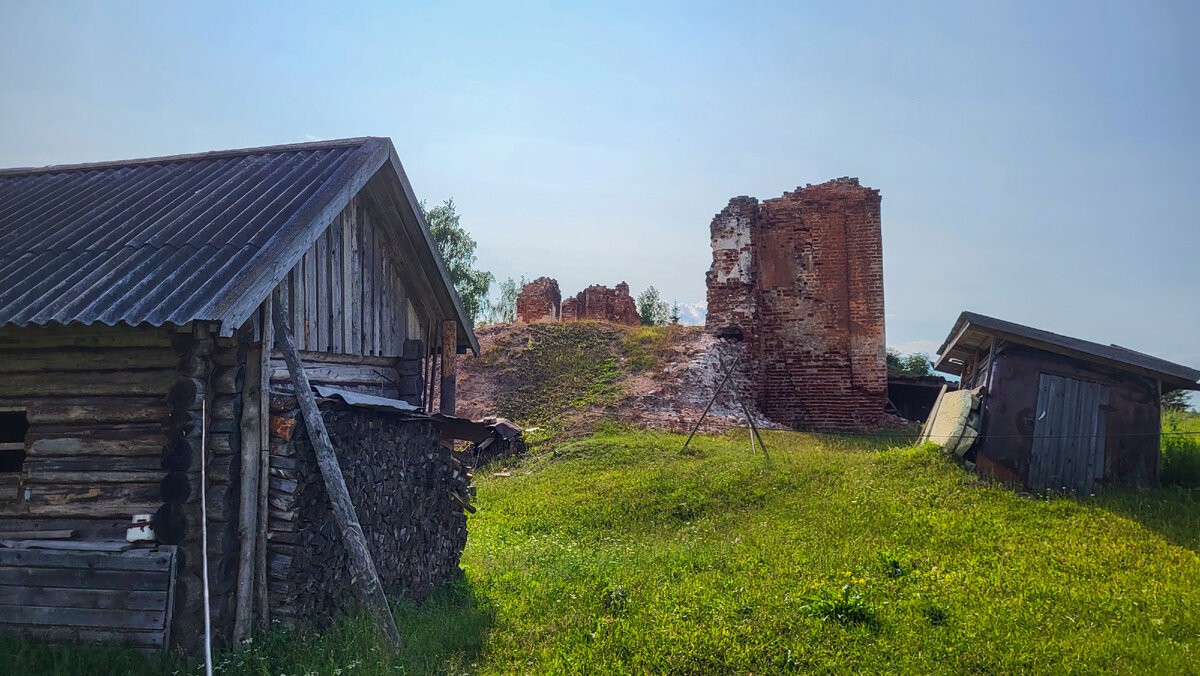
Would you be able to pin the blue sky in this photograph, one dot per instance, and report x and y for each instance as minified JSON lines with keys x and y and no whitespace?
{"x":1038,"y":162}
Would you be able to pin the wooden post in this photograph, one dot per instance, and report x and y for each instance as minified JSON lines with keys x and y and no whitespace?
{"x":449,"y":359}
{"x":362,"y":567}
{"x":261,"y":601}
{"x":251,"y":434}
{"x":925,"y":429}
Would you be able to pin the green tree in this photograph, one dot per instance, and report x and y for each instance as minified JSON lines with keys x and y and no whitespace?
{"x":917,"y":364}
{"x":458,"y":251}
{"x":675,"y":312}
{"x":504,"y":310}
{"x":652,"y":308}
{"x":1176,"y":400}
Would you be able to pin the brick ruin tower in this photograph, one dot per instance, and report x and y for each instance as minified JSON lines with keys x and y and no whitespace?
{"x":800,"y":279}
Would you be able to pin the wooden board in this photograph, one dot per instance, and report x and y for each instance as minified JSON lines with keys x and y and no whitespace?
{"x":59,"y":596}
{"x":1069,"y":435}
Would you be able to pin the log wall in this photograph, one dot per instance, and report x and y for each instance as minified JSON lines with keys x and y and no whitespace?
{"x":95,"y":401}
{"x":401,"y":480}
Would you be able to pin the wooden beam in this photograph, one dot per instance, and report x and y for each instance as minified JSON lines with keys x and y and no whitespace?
{"x":249,"y":428}
{"x":449,"y":358}
{"x":264,"y":463}
{"x":368,"y":586}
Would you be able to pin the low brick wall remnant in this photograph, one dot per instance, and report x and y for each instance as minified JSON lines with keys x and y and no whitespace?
{"x":539,"y":301}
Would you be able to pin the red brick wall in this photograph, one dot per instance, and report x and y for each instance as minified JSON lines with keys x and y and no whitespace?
{"x":539,"y":301}
{"x":801,"y":277}
{"x":604,"y":304}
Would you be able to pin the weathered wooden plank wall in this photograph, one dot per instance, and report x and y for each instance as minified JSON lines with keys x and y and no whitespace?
{"x":80,"y":595}
{"x":346,"y":295}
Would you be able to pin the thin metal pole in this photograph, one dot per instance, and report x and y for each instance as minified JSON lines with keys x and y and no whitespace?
{"x":753,"y":428}
{"x":208,"y":668}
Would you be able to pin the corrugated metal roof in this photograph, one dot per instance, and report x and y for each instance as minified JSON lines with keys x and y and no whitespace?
{"x":971,"y":330}
{"x":166,"y":240}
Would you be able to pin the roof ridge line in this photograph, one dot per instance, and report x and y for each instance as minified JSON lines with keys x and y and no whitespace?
{"x":186,"y":157}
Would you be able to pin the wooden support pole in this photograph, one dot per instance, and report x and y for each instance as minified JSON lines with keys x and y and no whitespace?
{"x":717,"y":391}
{"x":449,"y":359}
{"x":362,"y":567}
{"x":251,"y":434}
{"x":261,"y":601}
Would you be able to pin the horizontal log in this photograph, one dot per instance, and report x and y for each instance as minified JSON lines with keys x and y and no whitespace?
{"x":224,"y":443}
{"x":83,"y":336}
{"x":92,"y":444}
{"x":7,"y":534}
{"x":228,"y":380}
{"x":98,"y":506}
{"x":341,"y":374}
{"x":92,"y":411}
{"x":144,"y":641}
{"x":195,"y":366}
{"x":85,"y":528}
{"x":76,"y":360}
{"x":36,"y":474}
{"x":85,"y":578}
{"x":89,"y":383}
{"x":41,"y":464}
{"x":67,"y":597}
{"x":225,"y":356}
{"x":319,"y":358}
{"x":133,"y":559}
{"x":82,"y":617}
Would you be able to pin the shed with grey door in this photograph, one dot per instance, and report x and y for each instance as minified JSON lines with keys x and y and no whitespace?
{"x":1060,"y":412}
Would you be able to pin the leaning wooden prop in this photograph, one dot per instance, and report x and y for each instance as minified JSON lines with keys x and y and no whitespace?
{"x":362,"y":567}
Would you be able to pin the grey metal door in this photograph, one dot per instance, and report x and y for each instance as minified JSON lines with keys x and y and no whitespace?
{"x":1068,"y":435}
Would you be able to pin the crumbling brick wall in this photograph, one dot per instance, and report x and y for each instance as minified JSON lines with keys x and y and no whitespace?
{"x":604,"y":304}
{"x":539,"y":301}
{"x":800,"y":279}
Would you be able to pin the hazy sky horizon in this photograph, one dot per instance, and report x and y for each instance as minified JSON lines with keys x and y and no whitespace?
{"x":1038,"y":162}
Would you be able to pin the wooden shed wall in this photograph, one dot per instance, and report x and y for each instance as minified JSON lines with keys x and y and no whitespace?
{"x":1132,"y":415}
{"x":346,"y":295}
{"x":96,"y":403}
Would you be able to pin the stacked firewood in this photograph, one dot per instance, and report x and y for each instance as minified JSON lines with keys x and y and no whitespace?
{"x":408,"y":492}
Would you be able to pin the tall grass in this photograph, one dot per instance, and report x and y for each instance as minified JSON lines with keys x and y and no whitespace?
{"x":1180,"y":450}
{"x":620,"y":553}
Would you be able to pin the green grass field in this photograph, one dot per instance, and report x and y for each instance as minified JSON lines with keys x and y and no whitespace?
{"x":619,"y":553}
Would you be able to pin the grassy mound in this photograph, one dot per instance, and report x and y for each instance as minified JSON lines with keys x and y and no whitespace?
{"x":558,"y":376}
{"x":624,"y":553}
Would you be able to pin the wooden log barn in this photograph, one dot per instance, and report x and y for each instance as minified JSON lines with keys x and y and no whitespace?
{"x":1059,"y":412}
{"x":136,"y":304}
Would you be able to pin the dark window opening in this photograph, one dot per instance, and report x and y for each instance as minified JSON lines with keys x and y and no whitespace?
{"x":13,"y":426}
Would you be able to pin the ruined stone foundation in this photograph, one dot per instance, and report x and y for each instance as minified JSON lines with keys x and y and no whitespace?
{"x":800,"y":279}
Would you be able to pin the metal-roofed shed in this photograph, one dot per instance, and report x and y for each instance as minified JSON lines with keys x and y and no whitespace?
{"x":135,"y":320}
{"x":1060,"y":412}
